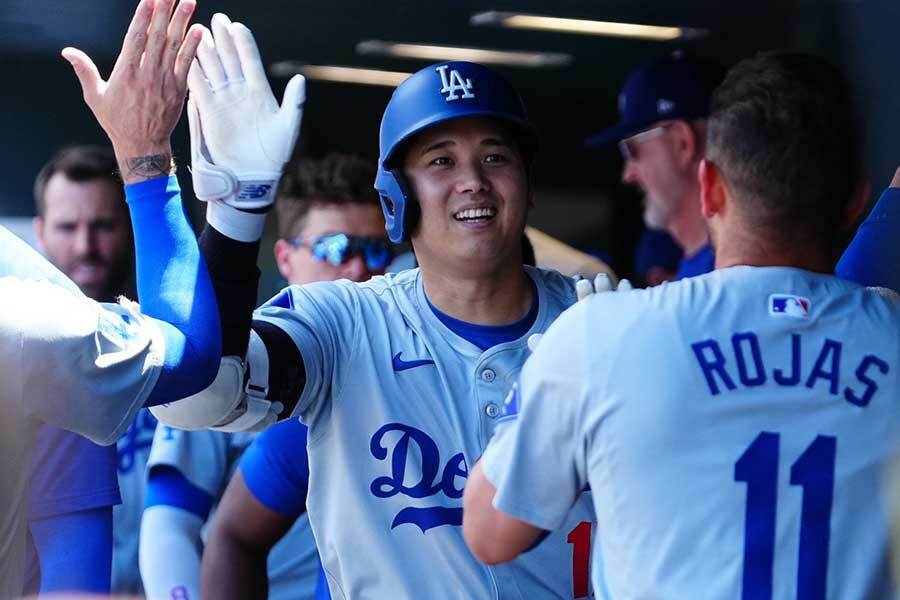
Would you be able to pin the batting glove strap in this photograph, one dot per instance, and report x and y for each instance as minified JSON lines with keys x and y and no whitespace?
{"x":254,"y":191}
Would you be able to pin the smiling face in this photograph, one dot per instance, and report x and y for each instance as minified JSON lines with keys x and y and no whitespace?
{"x":470,"y":180}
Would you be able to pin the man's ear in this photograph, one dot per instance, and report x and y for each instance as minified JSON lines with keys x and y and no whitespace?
{"x":282,"y":252}
{"x":858,"y":201}
{"x":38,"y":224}
{"x":685,"y":139}
{"x":713,"y":191}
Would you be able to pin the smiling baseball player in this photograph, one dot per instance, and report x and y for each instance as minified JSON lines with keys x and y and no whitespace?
{"x":401,"y":379}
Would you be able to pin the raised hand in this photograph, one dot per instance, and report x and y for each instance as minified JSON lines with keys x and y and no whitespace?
{"x":240,"y":136}
{"x":141,"y":102}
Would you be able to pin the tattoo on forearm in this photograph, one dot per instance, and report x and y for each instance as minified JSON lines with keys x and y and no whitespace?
{"x":151,"y":166}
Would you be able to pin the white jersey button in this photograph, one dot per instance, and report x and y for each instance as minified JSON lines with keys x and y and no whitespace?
{"x":488,"y":375}
{"x":492,"y":410}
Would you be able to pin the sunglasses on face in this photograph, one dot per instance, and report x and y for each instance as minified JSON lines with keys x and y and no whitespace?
{"x":629,"y":146}
{"x":338,"y":248}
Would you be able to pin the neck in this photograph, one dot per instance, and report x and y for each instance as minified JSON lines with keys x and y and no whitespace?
{"x":735,"y":248}
{"x":689,"y":229}
{"x":498,"y":297}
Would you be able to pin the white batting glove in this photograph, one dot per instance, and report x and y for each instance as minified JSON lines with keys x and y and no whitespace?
{"x":240,"y":137}
{"x":583,"y":289}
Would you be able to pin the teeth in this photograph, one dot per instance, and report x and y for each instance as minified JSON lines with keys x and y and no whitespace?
{"x":475,"y":213}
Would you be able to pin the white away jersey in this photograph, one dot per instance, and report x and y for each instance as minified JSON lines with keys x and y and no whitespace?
{"x":70,"y":362}
{"x":398,"y":407}
{"x":733,"y":428}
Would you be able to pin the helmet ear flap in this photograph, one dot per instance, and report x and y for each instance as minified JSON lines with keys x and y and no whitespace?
{"x":413,"y":211}
{"x":401,"y":211}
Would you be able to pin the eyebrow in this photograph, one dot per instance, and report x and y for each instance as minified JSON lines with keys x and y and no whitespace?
{"x":491,"y":141}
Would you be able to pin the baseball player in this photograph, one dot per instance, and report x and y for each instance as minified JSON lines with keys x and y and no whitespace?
{"x":108,"y":359}
{"x":733,"y":427}
{"x":400,"y":379}
{"x":82,"y":227}
{"x":330,"y":227}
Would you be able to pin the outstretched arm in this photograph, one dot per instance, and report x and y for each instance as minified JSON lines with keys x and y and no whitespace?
{"x":240,"y":140}
{"x":138,"y":107}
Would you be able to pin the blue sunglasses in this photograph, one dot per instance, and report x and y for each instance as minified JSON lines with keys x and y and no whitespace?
{"x":338,"y":248}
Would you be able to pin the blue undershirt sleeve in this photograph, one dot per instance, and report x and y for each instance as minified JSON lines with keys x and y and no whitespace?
{"x":276,"y":468}
{"x":75,"y":551}
{"x":168,"y":487}
{"x":174,"y":288}
{"x":872,"y":258}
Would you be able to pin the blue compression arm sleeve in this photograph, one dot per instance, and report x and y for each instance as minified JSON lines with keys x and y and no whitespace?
{"x":168,"y":487}
{"x":75,"y":551}
{"x":873,"y":257}
{"x":175,"y":289}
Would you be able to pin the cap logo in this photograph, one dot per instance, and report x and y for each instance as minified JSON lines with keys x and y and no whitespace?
{"x":664,"y":106}
{"x":453,"y":83}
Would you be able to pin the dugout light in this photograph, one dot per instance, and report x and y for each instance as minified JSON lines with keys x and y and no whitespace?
{"x":514,"y":58}
{"x":338,"y":74}
{"x":584,"y":26}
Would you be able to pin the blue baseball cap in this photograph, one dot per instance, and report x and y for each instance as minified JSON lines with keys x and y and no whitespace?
{"x":677,"y":87}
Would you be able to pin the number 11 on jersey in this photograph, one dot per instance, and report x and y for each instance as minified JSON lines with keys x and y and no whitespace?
{"x":813,"y":471}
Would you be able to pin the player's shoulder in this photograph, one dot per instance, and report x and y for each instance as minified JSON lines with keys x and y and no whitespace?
{"x":344,"y":291}
{"x":553,"y":284}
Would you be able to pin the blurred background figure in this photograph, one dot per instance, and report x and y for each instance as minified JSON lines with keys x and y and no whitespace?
{"x":661,"y":135}
{"x":550,"y":253}
{"x":83,"y":227}
{"x":657,"y":257}
{"x":330,"y":226}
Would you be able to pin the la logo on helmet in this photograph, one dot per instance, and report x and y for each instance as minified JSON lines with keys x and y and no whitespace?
{"x":454,"y":83}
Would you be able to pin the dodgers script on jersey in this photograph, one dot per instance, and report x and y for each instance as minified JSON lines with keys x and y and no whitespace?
{"x":398,"y":407}
{"x":207,"y":459}
{"x":734,"y":430}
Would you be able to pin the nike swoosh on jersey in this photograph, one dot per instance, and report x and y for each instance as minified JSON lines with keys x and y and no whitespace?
{"x":402,"y":365}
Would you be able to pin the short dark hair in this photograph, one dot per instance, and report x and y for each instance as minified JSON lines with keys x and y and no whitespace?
{"x":335,"y":179}
{"x":783,"y":132}
{"x":78,"y":163}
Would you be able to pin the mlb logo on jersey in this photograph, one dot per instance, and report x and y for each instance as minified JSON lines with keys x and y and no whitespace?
{"x":452,"y":83}
{"x":788,"y":305}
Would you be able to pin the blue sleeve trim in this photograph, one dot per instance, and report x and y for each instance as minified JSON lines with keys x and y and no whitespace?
{"x":174,"y":288}
{"x":166,"y":486}
{"x":84,"y":566}
{"x":276,"y":468}
{"x":872,"y":257}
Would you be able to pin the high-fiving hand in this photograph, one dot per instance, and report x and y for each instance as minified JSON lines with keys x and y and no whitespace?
{"x":141,"y":102}
{"x":240,"y":136}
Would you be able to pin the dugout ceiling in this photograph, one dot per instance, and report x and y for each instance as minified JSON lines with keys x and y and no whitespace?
{"x":42,"y":108}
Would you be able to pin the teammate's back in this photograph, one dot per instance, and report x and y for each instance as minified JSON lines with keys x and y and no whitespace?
{"x":757,"y":450}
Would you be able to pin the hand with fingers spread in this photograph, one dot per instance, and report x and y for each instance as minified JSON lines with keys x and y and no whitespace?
{"x":141,"y":102}
{"x":240,"y":137}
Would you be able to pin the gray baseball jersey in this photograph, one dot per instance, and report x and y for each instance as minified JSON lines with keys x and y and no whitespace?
{"x":133,"y":451}
{"x":207,"y":459}
{"x":70,"y":362}
{"x":734,"y":430}
{"x":397,"y":407}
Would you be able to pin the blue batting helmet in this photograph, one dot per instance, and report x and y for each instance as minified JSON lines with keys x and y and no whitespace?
{"x":436,"y":94}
